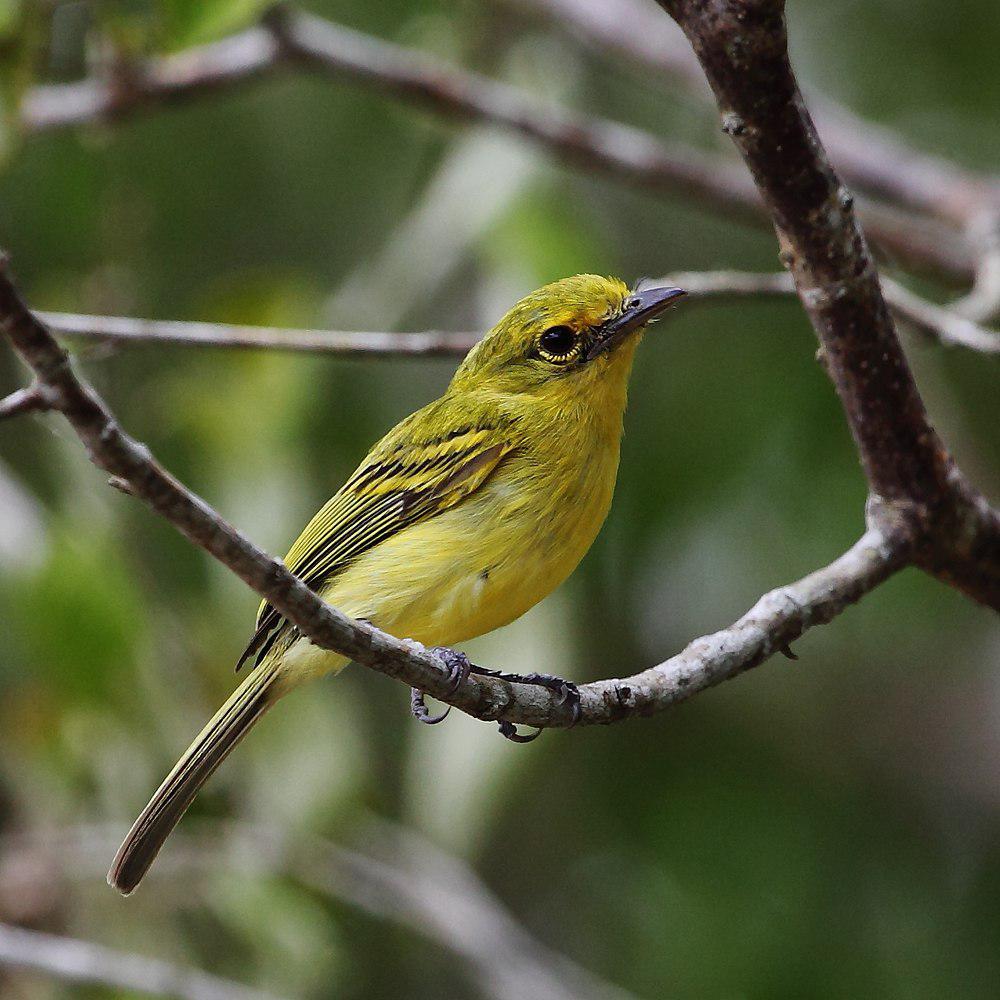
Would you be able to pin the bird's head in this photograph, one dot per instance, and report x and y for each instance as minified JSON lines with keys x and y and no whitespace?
{"x":571,"y":340}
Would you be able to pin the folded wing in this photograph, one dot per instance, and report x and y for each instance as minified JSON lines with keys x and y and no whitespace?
{"x":404,"y":480}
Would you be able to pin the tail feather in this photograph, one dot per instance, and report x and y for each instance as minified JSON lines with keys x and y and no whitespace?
{"x":170,"y":801}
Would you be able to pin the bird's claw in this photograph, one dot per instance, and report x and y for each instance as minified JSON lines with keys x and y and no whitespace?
{"x":568,"y":692}
{"x":420,"y":712}
{"x":459,"y":668}
{"x":509,"y":732}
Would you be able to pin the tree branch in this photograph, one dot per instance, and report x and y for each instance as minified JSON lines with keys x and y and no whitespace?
{"x":742,"y":47}
{"x":31,"y":399}
{"x":870,"y":156}
{"x":169,"y":79}
{"x":593,"y":144}
{"x":79,"y":961}
{"x":944,"y":325}
{"x":132,"y":330}
{"x":777,"y":619}
{"x":983,"y":300}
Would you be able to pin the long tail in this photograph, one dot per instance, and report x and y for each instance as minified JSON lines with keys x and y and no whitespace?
{"x":210,"y":748}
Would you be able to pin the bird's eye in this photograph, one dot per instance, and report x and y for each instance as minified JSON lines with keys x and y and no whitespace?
{"x":557,"y":343}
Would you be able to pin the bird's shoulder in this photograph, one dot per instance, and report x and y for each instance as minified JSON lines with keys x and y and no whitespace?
{"x":424,"y":448}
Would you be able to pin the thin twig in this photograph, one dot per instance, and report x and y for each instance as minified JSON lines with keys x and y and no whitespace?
{"x":132,"y":330}
{"x":594,"y":144}
{"x":755,"y":637}
{"x":945,"y":324}
{"x":30,"y":399}
{"x":935,"y":321}
{"x":618,"y":150}
{"x":77,"y":961}
{"x":982,"y":303}
{"x":177,"y":77}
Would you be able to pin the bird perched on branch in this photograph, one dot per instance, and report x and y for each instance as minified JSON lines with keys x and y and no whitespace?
{"x":459,"y":520}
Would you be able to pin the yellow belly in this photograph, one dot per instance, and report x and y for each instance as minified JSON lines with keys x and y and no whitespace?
{"x":475,"y":567}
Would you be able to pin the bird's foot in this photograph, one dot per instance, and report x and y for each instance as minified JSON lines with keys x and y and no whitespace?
{"x":568,"y":693}
{"x":458,"y":664}
{"x":459,"y":668}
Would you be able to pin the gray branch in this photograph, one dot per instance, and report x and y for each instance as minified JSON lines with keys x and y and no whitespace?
{"x":983,"y":300}
{"x":31,"y":399}
{"x":133,"y":330}
{"x":945,"y":324}
{"x":937,"y":322}
{"x":629,"y":154}
{"x":77,"y":961}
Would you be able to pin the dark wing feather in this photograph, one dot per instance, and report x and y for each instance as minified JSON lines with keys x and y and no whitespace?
{"x":398,"y":485}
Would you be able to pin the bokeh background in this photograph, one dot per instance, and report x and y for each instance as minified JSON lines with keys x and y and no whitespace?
{"x":824,"y":828}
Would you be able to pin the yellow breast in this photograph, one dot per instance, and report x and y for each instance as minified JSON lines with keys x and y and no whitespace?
{"x":485,"y":562}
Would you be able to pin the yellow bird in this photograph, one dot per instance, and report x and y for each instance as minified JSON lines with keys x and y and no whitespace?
{"x":464,"y":516}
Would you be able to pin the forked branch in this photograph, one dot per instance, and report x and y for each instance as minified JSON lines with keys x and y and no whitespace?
{"x":742,"y":47}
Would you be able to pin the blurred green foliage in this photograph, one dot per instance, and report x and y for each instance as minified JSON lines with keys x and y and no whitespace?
{"x":826,"y":828}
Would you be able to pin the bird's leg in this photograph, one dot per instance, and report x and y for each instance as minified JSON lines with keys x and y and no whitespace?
{"x":459,"y":668}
